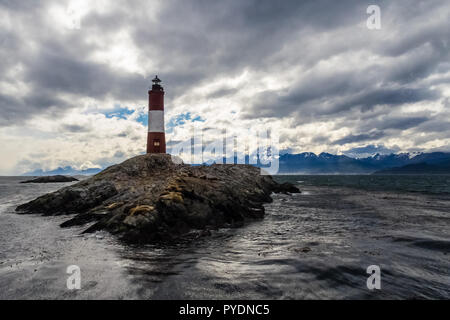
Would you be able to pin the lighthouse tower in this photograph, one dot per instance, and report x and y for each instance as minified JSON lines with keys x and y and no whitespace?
{"x":156,"y":140}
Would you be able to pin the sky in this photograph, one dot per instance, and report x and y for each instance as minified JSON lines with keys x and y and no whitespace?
{"x":75,"y":75}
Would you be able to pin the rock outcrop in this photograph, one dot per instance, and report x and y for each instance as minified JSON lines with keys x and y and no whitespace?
{"x":51,"y":179}
{"x":152,"y":198}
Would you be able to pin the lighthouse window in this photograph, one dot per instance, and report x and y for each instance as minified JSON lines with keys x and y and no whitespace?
{"x":156,"y":143}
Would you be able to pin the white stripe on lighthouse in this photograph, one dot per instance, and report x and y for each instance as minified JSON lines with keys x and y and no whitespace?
{"x":156,"y":121}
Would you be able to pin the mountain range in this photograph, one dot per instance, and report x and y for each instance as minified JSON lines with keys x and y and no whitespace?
{"x":66,"y":171}
{"x":326,"y":163}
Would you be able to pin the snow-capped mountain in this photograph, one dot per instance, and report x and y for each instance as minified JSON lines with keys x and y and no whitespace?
{"x":310,"y":163}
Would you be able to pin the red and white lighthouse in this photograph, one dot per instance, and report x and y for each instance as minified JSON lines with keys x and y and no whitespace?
{"x":156,"y":139}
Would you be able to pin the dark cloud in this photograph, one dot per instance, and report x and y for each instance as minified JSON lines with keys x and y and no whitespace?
{"x":190,"y":43}
{"x":222,"y":92}
{"x":87,"y":79}
{"x":13,"y":5}
{"x":375,"y":135}
{"x":331,"y":94}
{"x":74,"y":128}
{"x":440,"y":126}
{"x":399,"y":123}
{"x":365,"y":151}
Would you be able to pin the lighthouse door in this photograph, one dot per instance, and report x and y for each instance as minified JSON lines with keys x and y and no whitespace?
{"x":156,"y":145}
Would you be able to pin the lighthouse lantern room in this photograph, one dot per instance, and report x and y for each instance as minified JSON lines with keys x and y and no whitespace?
{"x":156,"y":140}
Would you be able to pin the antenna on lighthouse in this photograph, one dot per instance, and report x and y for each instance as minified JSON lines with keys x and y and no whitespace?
{"x":156,"y":80}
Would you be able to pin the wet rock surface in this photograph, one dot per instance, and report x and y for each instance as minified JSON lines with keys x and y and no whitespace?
{"x":152,"y":198}
{"x":51,"y":179}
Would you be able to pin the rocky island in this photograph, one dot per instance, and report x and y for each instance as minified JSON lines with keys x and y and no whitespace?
{"x":51,"y":179}
{"x":153,"y":198}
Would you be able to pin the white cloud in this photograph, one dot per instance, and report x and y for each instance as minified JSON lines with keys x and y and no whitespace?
{"x":315,"y":76}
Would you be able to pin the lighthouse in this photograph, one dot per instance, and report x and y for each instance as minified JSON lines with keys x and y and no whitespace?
{"x":156,"y":139}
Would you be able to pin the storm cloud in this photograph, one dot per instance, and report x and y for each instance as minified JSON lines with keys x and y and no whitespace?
{"x":311,"y":68}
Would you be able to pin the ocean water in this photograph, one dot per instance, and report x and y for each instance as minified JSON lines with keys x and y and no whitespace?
{"x":313,"y":245}
{"x":437,"y":184}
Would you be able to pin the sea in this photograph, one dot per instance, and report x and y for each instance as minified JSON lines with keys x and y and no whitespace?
{"x":342,"y":237}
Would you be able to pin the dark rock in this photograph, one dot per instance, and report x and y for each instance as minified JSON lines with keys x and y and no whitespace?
{"x":77,"y":198}
{"x":303,"y":250}
{"x":51,"y":179}
{"x":286,"y":188}
{"x":152,"y":198}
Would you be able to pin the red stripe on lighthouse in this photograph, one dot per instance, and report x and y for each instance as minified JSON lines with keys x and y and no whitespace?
{"x":156,"y":142}
{"x":156,"y":100}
